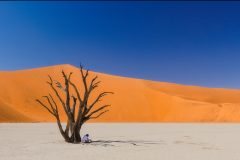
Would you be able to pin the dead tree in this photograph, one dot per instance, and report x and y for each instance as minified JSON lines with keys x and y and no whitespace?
{"x":76,"y":106}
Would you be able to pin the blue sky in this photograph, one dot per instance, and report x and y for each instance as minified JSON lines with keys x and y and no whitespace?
{"x":194,"y":43}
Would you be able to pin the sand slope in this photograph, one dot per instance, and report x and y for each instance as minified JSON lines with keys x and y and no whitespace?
{"x":135,"y":100}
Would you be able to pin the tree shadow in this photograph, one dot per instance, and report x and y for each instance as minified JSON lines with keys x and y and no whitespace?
{"x":115,"y":143}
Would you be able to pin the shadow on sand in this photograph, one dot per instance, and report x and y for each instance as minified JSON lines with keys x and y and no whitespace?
{"x":107,"y":143}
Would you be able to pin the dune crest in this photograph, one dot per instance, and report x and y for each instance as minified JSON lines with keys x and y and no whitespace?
{"x":135,"y":100}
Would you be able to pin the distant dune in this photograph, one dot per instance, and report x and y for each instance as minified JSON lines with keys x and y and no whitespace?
{"x":135,"y":100}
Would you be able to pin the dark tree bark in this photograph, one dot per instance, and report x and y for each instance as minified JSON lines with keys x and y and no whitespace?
{"x":80,"y":111}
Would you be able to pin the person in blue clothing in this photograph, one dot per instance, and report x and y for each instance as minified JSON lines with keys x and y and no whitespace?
{"x":86,"y":139}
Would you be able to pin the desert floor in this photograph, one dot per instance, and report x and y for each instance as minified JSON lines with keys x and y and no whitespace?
{"x":141,"y":141}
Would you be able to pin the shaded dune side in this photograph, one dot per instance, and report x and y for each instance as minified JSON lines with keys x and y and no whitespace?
{"x":135,"y":100}
{"x":8,"y":114}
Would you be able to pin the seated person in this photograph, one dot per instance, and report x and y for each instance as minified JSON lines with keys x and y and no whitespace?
{"x":86,"y":139}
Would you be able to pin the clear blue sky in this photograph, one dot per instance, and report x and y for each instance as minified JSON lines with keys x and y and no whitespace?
{"x":195,"y":43}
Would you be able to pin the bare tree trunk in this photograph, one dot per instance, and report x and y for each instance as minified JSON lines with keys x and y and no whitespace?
{"x":75,"y":136}
{"x":64,"y":134}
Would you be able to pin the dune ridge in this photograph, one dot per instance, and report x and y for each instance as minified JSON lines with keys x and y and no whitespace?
{"x":135,"y":100}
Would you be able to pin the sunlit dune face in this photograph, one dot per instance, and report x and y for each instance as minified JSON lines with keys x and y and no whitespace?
{"x":134,"y":100}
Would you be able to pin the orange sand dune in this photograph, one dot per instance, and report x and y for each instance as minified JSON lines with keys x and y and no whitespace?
{"x":135,"y":100}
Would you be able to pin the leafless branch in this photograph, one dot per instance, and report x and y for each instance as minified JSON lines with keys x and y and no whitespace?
{"x":96,"y":111}
{"x":48,"y":109}
{"x":99,"y":114}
